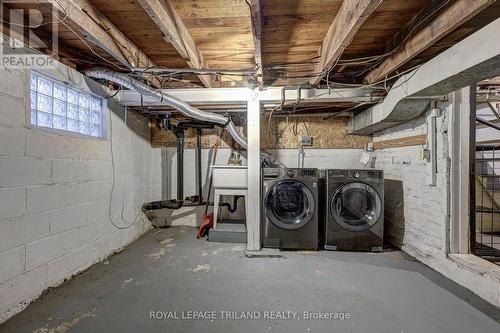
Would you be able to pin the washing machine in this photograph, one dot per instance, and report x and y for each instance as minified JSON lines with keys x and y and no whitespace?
{"x":354,"y":210}
{"x":290,"y":208}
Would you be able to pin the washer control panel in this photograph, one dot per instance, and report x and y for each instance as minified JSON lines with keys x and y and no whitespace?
{"x":376,"y":176}
{"x":269,"y":173}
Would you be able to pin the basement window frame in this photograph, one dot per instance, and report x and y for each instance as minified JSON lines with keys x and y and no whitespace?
{"x":33,"y":107}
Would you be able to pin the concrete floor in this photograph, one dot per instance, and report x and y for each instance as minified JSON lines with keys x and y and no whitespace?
{"x":172,"y":271}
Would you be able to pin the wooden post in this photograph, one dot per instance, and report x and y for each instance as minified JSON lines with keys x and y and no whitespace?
{"x":253,"y":160}
{"x":460,"y":131}
{"x":470,"y":228}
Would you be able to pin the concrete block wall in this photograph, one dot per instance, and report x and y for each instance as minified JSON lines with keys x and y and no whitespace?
{"x":417,"y":214}
{"x":55,"y":195}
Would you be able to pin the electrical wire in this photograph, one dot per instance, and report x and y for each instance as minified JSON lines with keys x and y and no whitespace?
{"x":435,"y":10}
{"x":170,"y":74}
{"x":268,"y":129}
{"x":379,"y":58}
{"x":128,"y":224}
{"x":30,"y":26}
{"x":76,"y":34}
{"x":348,"y":110}
{"x":378,"y":82}
{"x":38,"y":25}
{"x":116,"y":93}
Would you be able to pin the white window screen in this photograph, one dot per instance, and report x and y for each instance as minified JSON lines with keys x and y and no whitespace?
{"x":56,"y":106}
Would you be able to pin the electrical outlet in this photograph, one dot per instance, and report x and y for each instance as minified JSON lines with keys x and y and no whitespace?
{"x":307,"y":140}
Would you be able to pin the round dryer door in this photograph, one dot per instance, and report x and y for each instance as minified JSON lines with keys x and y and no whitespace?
{"x":355,"y":206}
{"x":289,"y":204}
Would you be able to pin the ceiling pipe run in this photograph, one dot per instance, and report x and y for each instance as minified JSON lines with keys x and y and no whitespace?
{"x":165,"y":99}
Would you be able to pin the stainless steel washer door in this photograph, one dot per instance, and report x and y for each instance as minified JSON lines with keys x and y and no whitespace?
{"x":355,"y":206}
{"x":289,"y":204}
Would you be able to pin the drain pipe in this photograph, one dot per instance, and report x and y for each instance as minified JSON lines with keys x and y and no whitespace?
{"x":198,"y":165}
{"x":179,"y":135}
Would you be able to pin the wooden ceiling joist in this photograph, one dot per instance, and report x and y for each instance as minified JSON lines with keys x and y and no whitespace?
{"x":256,"y":18}
{"x":448,"y":20}
{"x":41,"y":38}
{"x":175,"y":32}
{"x":97,"y":29}
{"x":351,"y":16}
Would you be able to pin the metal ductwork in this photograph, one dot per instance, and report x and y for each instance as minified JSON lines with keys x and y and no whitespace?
{"x":475,"y":58}
{"x":186,"y":109}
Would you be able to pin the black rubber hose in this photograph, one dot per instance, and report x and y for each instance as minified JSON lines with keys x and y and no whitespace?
{"x":176,"y":204}
{"x":162,"y":204}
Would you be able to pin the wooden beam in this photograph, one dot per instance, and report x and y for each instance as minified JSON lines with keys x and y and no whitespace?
{"x":448,"y":20}
{"x":95,"y":28}
{"x":415,"y":140}
{"x":175,"y":32}
{"x":256,"y":19}
{"x":135,"y":57}
{"x":15,"y":34}
{"x":419,"y":20}
{"x":351,"y":15}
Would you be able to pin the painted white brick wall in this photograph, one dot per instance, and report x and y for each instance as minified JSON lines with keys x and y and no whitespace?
{"x":416,"y":213}
{"x":55,"y":193}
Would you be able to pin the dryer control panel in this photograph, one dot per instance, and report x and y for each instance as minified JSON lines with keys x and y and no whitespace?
{"x":270,"y":173}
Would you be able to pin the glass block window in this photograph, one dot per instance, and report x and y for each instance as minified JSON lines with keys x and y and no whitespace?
{"x":56,"y":106}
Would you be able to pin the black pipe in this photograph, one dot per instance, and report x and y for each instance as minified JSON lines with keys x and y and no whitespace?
{"x":194,"y":124}
{"x":198,"y":164}
{"x":179,"y":134}
{"x":486,"y":147}
{"x":176,"y":204}
{"x":169,"y":204}
{"x":235,"y":204}
{"x":487,"y":123}
{"x":230,"y":207}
